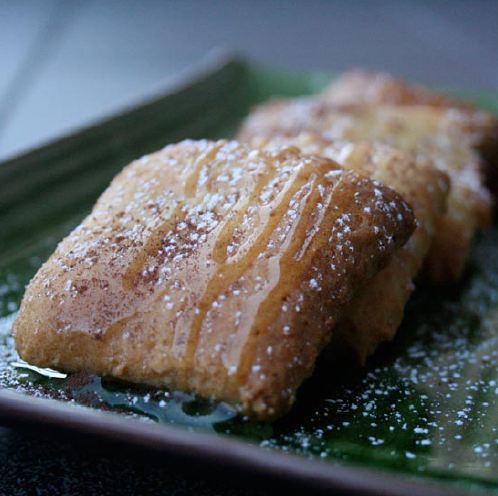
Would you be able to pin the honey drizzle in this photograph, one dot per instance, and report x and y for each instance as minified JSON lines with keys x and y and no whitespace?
{"x":281,"y":288}
{"x":226,"y":235}
{"x":153,"y":245}
{"x":181,"y":339}
{"x":192,"y":181}
{"x":233,"y":357}
{"x":229,"y":273}
{"x":315,"y":228}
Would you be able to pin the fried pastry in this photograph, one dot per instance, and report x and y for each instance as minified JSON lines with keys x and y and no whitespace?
{"x":376,"y":311}
{"x":364,"y":87}
{"x":213,"y":268}
{"x":447,"y":137}
{"x":373,"y":88}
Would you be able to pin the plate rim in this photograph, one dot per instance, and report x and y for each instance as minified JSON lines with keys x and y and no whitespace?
{"x":205,"y":447}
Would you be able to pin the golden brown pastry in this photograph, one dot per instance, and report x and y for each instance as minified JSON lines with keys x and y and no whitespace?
{"x":447,"y":137}
{"x":214,"y":268}
{"x":373,"y":88}
{"x":363,"y":87}
{"x":375,"y":313}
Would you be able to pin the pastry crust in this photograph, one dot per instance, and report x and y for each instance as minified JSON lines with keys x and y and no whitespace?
{"x":363,"y":87}
{"x":448,"y":137}
{"x":374,"y":88}
{"x":213,"y":268}
{"x":376,"y":311}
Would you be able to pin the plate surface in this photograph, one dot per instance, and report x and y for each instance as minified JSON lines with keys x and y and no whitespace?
{"x":421,"y":419}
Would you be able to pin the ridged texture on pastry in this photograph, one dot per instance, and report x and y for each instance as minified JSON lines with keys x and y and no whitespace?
{"x":448,"y":137}
{"x":375,"y":313}
{"x":212,"y":268}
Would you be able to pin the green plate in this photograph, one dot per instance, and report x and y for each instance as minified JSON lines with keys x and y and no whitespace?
{"x":422,"y":417}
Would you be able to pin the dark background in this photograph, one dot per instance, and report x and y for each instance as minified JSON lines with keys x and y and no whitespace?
{"x":65,"y":63}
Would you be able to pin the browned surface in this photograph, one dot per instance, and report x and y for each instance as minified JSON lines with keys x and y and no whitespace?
{"x":375,"y":313}
{"x":213,"y":268}
{"x":448,"y":137}
{"x":363,"y":87}
{"x":378,"y":88}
